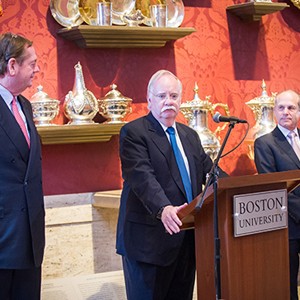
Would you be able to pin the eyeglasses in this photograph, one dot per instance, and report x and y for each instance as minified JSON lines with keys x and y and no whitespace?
{"x":164,"y":96}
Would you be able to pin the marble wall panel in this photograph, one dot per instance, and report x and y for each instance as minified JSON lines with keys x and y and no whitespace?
{"x":80,"y":238}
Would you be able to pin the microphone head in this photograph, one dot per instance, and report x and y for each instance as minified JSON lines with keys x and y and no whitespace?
{"x":216,"y":117}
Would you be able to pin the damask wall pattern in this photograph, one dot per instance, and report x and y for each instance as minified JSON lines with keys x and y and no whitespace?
{"x":227,"y":57}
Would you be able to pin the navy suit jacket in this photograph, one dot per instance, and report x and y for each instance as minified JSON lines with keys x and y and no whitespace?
{"x":273,"y":153}
{"x":22,"y":226}
{"x":151,"y":181}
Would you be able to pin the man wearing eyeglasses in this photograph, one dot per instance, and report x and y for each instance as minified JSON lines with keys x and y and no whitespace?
{"x":158,"y":258}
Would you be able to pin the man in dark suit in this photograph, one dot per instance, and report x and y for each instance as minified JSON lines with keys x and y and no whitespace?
{"x":22,"y":237}
{"x":274,"y":153}
{"x":158,"y":258}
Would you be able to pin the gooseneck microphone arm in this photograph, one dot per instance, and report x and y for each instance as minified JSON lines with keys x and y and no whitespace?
{"x":213,"y":179}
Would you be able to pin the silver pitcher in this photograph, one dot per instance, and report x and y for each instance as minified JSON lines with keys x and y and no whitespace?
{"x":196,"y":112}
{"x":80,"y":105}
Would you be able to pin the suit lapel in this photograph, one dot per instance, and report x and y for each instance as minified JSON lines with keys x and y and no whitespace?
{"x":285,"y":146}
{"x":160,"y":139}
{"x":12,"y":129}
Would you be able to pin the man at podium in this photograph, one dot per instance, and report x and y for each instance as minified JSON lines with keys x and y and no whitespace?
{"x":163,"y":167}
{"x":279,"y":151}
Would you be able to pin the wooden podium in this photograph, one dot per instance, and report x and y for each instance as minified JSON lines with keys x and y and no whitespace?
{"x":253,"y":267}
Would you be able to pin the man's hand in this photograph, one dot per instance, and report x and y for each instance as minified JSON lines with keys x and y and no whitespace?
{"x":170,"y":219}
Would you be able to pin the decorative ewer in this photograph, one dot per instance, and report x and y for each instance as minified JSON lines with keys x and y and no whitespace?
{"x":115,"y":106}
{"x":80,"y":105}
{"x":44,"y":108}
{"x":196,"y":112}
{"x":263,"y":109}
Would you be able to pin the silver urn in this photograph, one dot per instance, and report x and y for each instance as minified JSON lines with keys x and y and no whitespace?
{"x":196,"y":112}
{"x":80,"y":105}
{"x":44,"y":108}
{"x":115,"y":106}
{"x":263,"y":109}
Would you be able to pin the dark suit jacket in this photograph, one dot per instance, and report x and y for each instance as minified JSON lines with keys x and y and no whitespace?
{"x":273,"y":153}
{"x":22,"y":237}
{"x":151,"y":181}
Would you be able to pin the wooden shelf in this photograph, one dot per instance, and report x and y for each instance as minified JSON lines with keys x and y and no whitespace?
{"x":73,"y":134}
{"x":253,"y":11}
{"x":87,"y":36}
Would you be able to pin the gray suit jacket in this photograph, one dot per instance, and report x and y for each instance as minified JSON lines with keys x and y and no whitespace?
{"x":22,"y":226}
{"x":273,"y":153}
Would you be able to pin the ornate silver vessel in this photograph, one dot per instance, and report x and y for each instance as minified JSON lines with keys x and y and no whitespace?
{"x":80,"y":105}
{"x":44,"y":108}
{"x":196,"y":112}
{"x":263,"y":109}
{"x":115,"y":106}
{"x":133,"y":18}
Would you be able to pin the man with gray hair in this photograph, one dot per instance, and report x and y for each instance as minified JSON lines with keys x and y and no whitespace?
{"x":280,"y":151}
{"x":164,"y":167}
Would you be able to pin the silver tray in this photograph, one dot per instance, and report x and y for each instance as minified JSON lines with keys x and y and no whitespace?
{"x":66,"y":12}
{"x":175,"y":12}
{"x":88,"y":11}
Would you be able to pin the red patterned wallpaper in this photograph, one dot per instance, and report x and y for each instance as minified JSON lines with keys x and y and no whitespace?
{"x":227,"y":57}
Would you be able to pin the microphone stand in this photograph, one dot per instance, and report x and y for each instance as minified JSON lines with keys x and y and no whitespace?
{"x":213,"y":179}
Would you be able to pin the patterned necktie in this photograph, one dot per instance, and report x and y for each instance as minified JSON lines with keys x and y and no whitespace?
{"x":294,"y":143}
{"x":181,"y":166}
{"x":19,"y":119}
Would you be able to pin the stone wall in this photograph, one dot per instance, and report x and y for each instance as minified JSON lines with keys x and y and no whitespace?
{"x":80,"y":234}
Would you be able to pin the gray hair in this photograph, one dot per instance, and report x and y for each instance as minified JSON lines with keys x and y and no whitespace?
{"x":158,"y":75}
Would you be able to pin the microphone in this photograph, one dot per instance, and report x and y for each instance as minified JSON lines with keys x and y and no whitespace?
{"x":219,"y":118}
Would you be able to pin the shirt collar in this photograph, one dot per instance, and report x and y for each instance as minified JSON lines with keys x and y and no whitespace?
{"x":6,"y":95}
{"x":285,"y":131}
{"x":165,"y":127}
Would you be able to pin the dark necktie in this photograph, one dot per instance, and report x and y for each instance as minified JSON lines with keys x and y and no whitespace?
{"x":19,"y":119}
{"x":181,"y":166}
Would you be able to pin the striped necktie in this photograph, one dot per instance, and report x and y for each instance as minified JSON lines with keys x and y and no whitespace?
{"x":294,"y":143}
{"x":181,"y":166}
{"x":19,"y":119}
